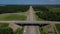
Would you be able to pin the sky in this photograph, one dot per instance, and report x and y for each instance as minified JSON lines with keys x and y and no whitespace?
{"x":29,"y":1}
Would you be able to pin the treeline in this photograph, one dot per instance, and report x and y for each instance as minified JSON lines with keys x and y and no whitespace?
{"x":46,"y":14}
{"x":40,"y":8}
{"x":13,"y":8}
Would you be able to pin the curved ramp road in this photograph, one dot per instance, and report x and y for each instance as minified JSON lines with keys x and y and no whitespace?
{"x":31,"y":29}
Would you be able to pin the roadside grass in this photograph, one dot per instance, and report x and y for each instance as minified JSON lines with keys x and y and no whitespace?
{"x":19,"y":30}
{"x":41,"y":30}
{"x":4,"y":25}
{"x":58,"y":27}
{"x":39,"y":19}
{"x":13,"y":17}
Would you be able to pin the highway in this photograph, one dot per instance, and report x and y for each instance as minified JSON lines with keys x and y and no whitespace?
{"x":31,"y":29}
{"x":30,"y":19}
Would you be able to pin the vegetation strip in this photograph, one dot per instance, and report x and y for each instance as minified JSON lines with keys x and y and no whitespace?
{"x":4,"y":29}
{"x":13,"y":17}
{"x":41,"y":30}
{"x":58,"y":27}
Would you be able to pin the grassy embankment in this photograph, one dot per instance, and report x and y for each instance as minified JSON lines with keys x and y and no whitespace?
{"x":58,"y":27}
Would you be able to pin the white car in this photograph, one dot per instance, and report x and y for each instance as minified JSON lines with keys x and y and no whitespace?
{"x":24,"y":31}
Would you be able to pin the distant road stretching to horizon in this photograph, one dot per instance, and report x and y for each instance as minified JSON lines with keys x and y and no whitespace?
{"x":31,"y":29}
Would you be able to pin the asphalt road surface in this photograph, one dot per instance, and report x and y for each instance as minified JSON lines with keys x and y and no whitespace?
{"x":31,"y":29}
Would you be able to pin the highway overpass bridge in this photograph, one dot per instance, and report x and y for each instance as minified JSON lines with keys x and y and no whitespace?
{"x":35,"y":23}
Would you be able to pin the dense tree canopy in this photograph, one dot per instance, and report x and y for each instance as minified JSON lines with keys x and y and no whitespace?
{"x":6,"y":30}
{"x":49,"y":13}
{"x":13,"y":8}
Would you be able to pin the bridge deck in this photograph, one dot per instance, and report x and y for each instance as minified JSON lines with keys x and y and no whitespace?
{"x":30,"y":22}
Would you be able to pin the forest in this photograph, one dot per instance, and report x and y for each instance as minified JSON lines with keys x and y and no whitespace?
{"x":13,"y":8}
{"x":48,"y":12}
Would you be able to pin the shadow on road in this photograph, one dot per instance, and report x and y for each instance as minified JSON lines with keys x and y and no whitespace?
{"x":32,"y":24}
